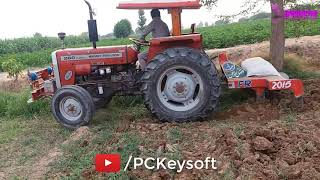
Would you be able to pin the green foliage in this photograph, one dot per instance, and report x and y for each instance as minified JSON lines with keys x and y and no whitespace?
{"x":252,"y":32}
{"x":235,"y":34}
{"x":28,"y":59}
{"x":305,"y":6}
{"x":75,"y":159}
{"x":15,"y":105}
{"x":200,"y":25}
{"x":5,"y":98}
{"x":302,"y":28}
{"x":113,"y":42}
{"x":42,"y":58}
{"x":142,"y":20}
{"x":261,"y":15}
{"x":127,"y":101}
{"x":209,"y":3}
{"x":293,"y":67}
{"x":222,"y":21}
{"x":122,"y":29}
{"x":78,"y":159}
{"x":37,"y":43}
{"x":174,"y":135}
{"x":13,"y":67}
{"x":244,"y":19}
{"x":37,"y":35}
{"x":28,"y":54}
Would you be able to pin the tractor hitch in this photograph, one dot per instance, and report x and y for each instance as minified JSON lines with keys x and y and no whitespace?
{"x":42,"y":83}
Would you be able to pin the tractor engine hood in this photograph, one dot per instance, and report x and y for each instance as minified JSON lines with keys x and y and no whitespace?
{"x":111,"y":55}
{"x":70,"y":63}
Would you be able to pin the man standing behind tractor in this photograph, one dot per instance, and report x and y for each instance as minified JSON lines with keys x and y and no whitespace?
{"x":158,"y":29}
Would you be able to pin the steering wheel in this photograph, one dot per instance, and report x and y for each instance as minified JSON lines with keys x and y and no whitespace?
{"x":139,"y":42}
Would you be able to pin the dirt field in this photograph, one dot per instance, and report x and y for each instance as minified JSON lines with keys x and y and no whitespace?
{"x":250,"y":140}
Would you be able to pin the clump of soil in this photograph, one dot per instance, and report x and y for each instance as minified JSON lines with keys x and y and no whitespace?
{"x":272,"y":152}
{"x":250,"y":111}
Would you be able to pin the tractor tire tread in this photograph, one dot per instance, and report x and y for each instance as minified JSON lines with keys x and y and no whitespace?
{"x":198,"y":57}
{"x":85,"y":97}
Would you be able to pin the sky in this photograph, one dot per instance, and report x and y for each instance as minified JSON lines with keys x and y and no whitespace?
{"x":23,"y":18}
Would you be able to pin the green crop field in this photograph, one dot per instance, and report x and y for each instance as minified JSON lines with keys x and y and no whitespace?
{"x":35,"y":52}
{"x":252,"y":32}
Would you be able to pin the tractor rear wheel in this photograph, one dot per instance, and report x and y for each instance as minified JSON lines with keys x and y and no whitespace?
{"x":181,"y":85}
{"x":72,"y":106}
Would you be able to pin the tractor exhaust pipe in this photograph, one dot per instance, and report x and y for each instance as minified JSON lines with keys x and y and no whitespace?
{"x":92,"y":26}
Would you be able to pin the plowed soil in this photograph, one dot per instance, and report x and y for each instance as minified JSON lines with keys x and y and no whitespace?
{"x":269,"y":140}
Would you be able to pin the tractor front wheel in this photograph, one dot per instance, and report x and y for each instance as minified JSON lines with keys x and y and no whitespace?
{"x":181,"y":84}
{"x":72,"y":106}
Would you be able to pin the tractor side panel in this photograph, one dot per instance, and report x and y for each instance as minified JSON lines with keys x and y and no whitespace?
{"x":73,"y":62}
{"x":159,"y":45}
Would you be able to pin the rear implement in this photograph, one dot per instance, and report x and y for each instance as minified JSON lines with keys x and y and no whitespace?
{"x":260,"y":84}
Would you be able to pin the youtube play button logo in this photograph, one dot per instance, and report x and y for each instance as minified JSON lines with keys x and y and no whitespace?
{"x":109,"y":163}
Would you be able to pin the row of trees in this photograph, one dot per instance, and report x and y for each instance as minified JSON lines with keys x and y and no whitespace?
{"x":201,"y":24}
{"x":262,"y":15}
{"x":226,"y":20}
{"x":122,"y":29}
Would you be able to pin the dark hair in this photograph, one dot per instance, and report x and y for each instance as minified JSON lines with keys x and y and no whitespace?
{"x":155,"y":13}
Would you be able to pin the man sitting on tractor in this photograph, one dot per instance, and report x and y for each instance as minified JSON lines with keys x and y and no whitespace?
{"x":158,"y":29}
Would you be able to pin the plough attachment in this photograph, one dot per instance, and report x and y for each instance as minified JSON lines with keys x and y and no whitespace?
{"x":41,"y":83}
{"x":237,"y":79}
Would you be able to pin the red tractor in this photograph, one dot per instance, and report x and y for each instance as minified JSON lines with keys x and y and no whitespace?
{"x":180,"y":83}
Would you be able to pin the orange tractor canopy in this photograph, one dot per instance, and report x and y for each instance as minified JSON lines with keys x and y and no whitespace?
{"x":174,"y":7}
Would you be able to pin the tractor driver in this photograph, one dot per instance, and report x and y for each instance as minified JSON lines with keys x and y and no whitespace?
{"x":158,"y":29}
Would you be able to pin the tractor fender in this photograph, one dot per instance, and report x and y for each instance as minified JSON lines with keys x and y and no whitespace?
{"x":159,"y":45}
